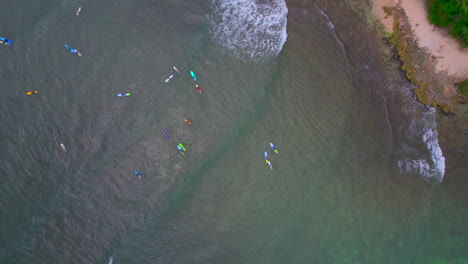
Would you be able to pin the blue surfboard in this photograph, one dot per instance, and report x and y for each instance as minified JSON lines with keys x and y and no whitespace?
{"x":6,"y":41}
{"x":72,"y":50}
{"x":193,"y":75}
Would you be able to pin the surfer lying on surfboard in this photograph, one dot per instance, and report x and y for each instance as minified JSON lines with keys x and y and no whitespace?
{"x":72,"y":50}
{"x":5,"y":41}
{"x":267,"y":161}
{"x":181,"y":148}
{"x":137,"y":174}
{"x":273,"y":148}
{"x":63,"y":147}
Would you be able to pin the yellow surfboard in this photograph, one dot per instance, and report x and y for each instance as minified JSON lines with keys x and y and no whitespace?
{"x":33,"y":92}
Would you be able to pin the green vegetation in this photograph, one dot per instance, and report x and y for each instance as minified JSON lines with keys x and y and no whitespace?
{"x":463,"y":87}
{"x":419,"y":67}
{"x":452,"y":14}
{"x":387,"y":10}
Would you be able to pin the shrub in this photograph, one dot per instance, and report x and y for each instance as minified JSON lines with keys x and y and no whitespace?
{"x":463,"y":87}
{"x":452,"y":14}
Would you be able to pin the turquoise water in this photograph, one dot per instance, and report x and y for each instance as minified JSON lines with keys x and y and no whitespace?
{"x":354,"y":181}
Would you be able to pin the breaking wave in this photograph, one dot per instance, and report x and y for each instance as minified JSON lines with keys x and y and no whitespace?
{"x":249,"y":29}
{"x":434,"y":165}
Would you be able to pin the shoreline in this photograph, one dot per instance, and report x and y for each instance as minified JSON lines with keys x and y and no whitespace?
{"x":445,"y":48}
{"x":447,"y":51}
{"x":431,"y":59}
{"x":435,"y":68}
{"x":449,"y":126}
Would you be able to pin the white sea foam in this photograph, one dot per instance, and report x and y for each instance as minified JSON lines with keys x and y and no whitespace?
{"x":249,"y":29}
{"x":438,"y":160}
{"x":420,"y":166}
{"x":434,"y":166}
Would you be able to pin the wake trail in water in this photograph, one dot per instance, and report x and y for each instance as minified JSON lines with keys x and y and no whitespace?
{"x":338,"y":40}
{"x":250,"y":30}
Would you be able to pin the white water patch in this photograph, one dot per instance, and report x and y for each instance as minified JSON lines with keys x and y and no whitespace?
{"x":434,"y":166}
{"x":248,"y":28}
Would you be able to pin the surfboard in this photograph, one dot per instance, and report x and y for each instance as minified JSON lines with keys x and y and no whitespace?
{"x":194,"y":77}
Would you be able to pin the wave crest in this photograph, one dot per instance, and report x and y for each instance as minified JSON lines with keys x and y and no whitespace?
{"x":434,"y":165}
{"x":249,"y":29}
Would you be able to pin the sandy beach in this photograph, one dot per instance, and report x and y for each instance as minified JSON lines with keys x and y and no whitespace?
{"x":442,"y":46}
{"x":377,"y":9}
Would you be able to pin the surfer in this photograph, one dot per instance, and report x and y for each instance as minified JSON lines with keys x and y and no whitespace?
{"x":137,"y":174}
{"x":182,"y":146}
{"x":198,"y":88}
{"x":188,"y":121}
{"x":63,"y":147}
{"x":72,"y":50}
{"x":175,"y":69}
{"x":180,"y":150}
{"x":267,"y":161}
{"x":5,"y":41}
{"x":78,"y":11}
{"x":273,"y":148}
{"x":123,"y":94}
{"x":167,"y":134}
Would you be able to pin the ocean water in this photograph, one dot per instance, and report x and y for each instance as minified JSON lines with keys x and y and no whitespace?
{"x":359,"y":178}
